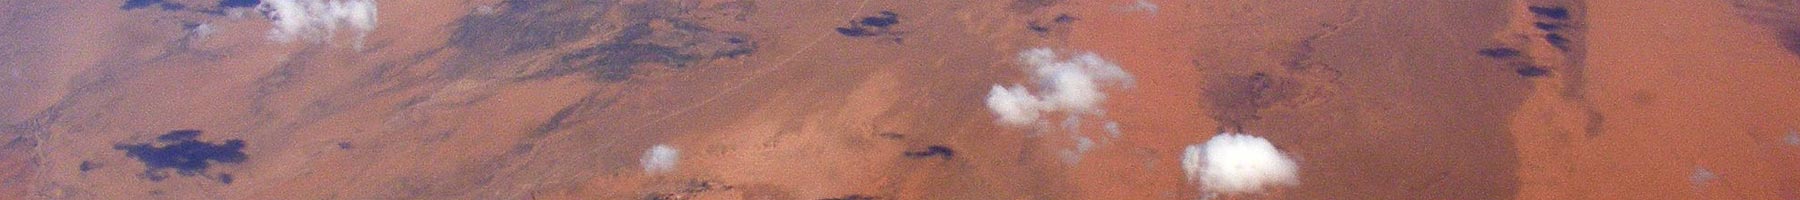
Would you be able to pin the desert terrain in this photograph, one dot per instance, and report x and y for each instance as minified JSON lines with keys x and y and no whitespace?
{"x":869,"y":99}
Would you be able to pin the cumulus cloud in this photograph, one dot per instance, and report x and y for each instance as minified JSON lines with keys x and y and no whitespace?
{"x":1013,"y":104}
{"x":1072,"y":85}
{"x":660,"y":159}
{"x":1237,"y":163}
{"x":318,"y":20}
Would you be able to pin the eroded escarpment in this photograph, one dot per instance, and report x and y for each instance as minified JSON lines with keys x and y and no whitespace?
{"x":609,"y":41}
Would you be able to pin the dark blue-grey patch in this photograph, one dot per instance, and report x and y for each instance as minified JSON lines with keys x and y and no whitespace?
{"x":136,"y":4}
{"x":1532,"y":71}
{"x":855,"y":32}
{"x":1064,"y":18}
{"x":885,"y":19}
{"x":931,"y":151}
{"x":870,"y":26}
{"x":140,"y":4}
{"x":225,"y":178}
{"x":1546,"y":26}
{"x":172,"y":6}
{"x":1552,"y":12}
{"x":1499,"y":52}
{"x":1558,"y":41}
{"x":179,"y":135}
{"x":853,"y":197}
{"x":88,"y":166}
{"x":180,"y":152}
{"x":239,"y":3}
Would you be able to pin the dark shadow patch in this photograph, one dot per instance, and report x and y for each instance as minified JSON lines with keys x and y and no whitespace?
{"x":344,"y":145}
{"x":853,"y":197}
{"x":88,"y":166}
{"x":1060,"y":22}
{"x":1499,"y":52}
{"x":855,"y":32}
{"x":1064,"y":18}
{"x":1532,"y":71}
{"x":1546,"y":26}
{"x":140,"y":4}
{"x":1035,"y":26}
{"x":137,"y":4}
{"x":179,"y":135}
{"x":1028,"y":6}
{"x":871,"y":26}
{"x":1558,"y":41}
{"x":172,"y":6}
{"x":1552,"y":12}
{"x":932,"y":151}
{"x":239,"y":3}
{"x":226,"y":178}
{"x":179,"y":151}
{"x":883,"y":20}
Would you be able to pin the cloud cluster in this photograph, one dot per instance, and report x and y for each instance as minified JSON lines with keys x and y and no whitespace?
{"x":1070,"y":85}
{"x":660,"y":159}
{"x":318,"y":20}
{"x":1237,"y":163}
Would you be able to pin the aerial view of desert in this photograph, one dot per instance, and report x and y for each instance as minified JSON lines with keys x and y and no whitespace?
{"x":900,"y":99}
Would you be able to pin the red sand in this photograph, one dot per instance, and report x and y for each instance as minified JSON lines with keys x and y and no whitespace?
{"x":1375,"y":99}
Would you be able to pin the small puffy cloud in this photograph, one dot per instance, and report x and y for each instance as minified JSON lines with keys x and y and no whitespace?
{"x":1070,"y":85}
{"x":1237,"y":163}
{"x":660,"y":159}
{"x":318,"y":20}
{"x":1014,"y":105}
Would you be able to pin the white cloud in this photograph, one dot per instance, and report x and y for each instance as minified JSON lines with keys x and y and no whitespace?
{"x":1071,"y":86}
{"x":1236,"y":163}
{"x":318,"y":20}
{"x":660,"y":159}
{"x":1014,"y":105}
{"x":203,"y":30}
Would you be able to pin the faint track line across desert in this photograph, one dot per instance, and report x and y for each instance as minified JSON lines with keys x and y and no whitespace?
{"x":753,"y":75}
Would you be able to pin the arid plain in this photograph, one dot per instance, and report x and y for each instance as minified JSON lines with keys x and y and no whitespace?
{"x":871,"y":99}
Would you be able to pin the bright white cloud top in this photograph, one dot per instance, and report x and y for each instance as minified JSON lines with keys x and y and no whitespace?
{"x":1071,"y":85}
{"x":1237,"y":163}
{"x":318,"y":20}
{"x":660,"y":159}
